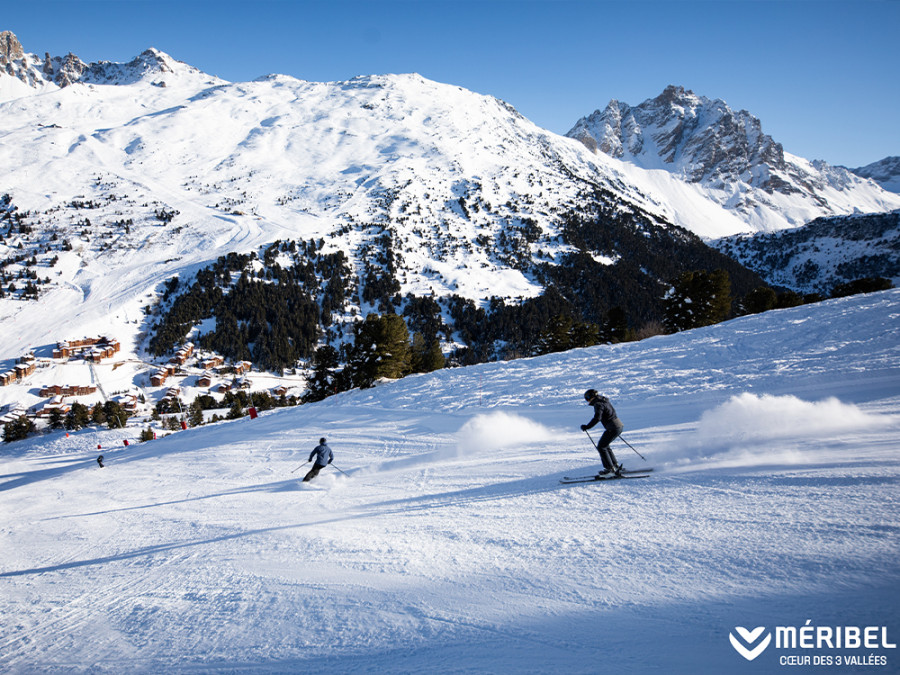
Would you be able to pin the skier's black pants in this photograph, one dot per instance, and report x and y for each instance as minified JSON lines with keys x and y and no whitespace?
{"x":313,"y":472}
{"x":610,"y":434}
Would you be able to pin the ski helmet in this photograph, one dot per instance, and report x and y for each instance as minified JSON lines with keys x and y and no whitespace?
{"x":590,"y":394}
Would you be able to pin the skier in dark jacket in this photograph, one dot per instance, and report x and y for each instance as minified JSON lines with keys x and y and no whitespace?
{"x":323,"y":456}
{"x":605,"y":414}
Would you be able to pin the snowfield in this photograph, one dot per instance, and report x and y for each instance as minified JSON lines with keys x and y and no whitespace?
{"x":446,"y":544}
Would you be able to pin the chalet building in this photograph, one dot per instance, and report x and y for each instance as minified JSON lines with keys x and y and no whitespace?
{"x":128,"y":402}
{"x":183,"y":354}
{"x":173,"y":396}
{"x":15,"y":413}
{"x":97,"y":354}
{"x":23,"y":370}
{"x":96,"y":349}
{"x":213,"y":362}
{"x":19,"y":372}
{"x":242,"y":367}
{"x":67,"y":390}
{"x":280,"y":390}
{"x":204,"y":380}
{"x":158,"y":378}
{"x":54,"y":405}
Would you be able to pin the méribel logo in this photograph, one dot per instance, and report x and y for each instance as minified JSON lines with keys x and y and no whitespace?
{"x":750,"y":643}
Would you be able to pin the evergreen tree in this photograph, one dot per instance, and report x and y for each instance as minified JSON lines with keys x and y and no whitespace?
{"x":434,"y":357}
{"x":557,"y":336}
{"x":789,"y":299}
{"x":98,"y":416}
{"x":867,"y":285}
{"x":56,"y":418}
{"x":615,"y":328}
{"x":381,"y":350}
{"x":760,"y":299}
{"x":585,"y":335}
{"x":195,"y":413}
{"x":17,"y":430}
{"x":426,"y":357}
{"x":115,"y":415}
{"x":697,"y":299}
{"x":323,"y":381}
{"x":78,"y":417}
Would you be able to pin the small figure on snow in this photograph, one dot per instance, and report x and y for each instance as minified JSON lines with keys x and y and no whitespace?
{"x":100,"y":461}
{"x":323,"y":456}
{"x":605,"y":414}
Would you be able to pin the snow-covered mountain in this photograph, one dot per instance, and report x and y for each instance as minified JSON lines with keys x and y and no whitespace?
{"x":168,"y":169}
{"x":28,"y":73}
{"x":885,"y":172}
{"x":826,"y":252}
{"x":726,"y":155}
{"x":121,"y":176}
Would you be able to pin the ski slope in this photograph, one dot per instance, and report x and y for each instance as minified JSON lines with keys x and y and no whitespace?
{"x":447,"y":543}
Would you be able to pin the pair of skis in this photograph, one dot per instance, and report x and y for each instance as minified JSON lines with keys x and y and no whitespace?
{"x":597,"y":478}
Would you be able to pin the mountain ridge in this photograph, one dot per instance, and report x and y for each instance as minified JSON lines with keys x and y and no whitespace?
{"x":885,"y":172}
{"x":704,"y":143}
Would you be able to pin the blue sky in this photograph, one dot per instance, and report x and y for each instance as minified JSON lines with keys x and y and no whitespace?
{"x":821,"y":75}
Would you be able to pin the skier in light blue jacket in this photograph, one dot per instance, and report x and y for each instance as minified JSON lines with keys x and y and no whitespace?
{"x":323,"y":456}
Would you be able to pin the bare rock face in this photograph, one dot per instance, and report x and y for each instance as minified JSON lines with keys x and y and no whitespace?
{"x":698,"y":138}
{"x":10,"y":48}
{"x":70,"y":70}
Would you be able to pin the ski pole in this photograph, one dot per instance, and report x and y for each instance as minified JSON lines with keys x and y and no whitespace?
{"x":302,"y":465}
{"x":346,"y":474}
{"x":632,"y":447}
{"x":623,"y":440}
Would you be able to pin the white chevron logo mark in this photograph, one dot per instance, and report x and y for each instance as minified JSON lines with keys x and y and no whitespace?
{"x":749,"y":637}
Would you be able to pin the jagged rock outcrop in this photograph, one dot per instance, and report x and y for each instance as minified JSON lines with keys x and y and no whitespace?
{"x":69,"y":71}
{"x":697,"y":138}
{"x":38,"y":73}
{"x":10,"y":48}
{"x":705,"y":143}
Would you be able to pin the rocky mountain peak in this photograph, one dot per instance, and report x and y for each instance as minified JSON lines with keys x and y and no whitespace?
{"x":695,"y":137}
{"x":674,"y":94}
{"x":10,"y":48}
{"x":705,"y":142}
{"x":38,"y":73}
{"x":69,"y":70}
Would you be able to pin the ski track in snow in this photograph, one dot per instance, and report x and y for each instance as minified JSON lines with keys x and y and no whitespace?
{"x":450,"y":546}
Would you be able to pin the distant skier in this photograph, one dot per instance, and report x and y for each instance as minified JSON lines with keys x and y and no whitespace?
{"x":605,"y":414}
{"x":323,"y":456}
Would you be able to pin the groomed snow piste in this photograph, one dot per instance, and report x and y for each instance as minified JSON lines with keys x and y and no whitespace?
{"x":447,"y":543}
